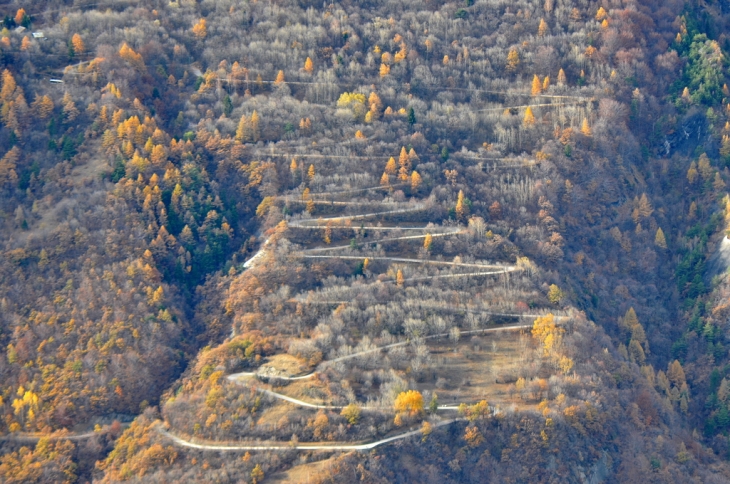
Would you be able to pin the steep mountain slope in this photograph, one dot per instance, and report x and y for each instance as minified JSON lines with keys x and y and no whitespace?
{"x":416,"y":179}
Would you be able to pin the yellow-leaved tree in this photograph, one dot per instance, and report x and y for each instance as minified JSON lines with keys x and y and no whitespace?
{"x":536,"y":86}
{"x":355,"y":102}
{"x":409,"y":402}
{"x":462,"y":207}
{"x":586,"y":128}
{"x":200,"y":29}
{"x":529,"y":119}
{"x":280,"y":78}
{"x":513,"y":60}
{"x":255,"y":132}
{"x":415,"y":181}
{"x":428,"y":242}
{"x":548,"y":333}
{"x":562,"y":79}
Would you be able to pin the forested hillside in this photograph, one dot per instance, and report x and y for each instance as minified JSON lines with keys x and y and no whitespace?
{"x":278,"y":241}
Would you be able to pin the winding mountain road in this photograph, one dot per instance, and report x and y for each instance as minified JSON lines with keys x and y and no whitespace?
{"x":206,"y":445}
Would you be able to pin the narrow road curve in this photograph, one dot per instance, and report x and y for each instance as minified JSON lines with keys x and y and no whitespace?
{"x":450,"y":231}
{"x":305,"y":223}
{"x":334,"y":202}
{"x":413,"y":261}
{"x":297,"y":446}
{"x":340,"y":192}
{"x":433,"y":306}
{"x":366,"y":227}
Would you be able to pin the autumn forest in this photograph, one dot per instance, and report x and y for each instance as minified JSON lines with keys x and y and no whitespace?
{"x":252,"y":241}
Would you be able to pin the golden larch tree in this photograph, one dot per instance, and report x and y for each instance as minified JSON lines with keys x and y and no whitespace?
{"x":601,"y":14}
{"x":399,"y":279}
{"x":25,"y":44}
{"x":401,"y":54}
{"x":725,"y":146}
{"x":200,"y":29}
{"x":279,"y":78}
{"x":561,"y":78}
{"x":703,"y":165}
{"x":428,"y":242}
{"x":692,"y":173}
{"x":9,"y":86}
{"x":255,"y":133}
{"x":718,"y":183}
{"x":545,"y":84}
{"x":513,"y":60}
{"x":310,"y":173}
{"x":529,"y":119}
{"x":308,"y":65}
{"x":542,"y":29}
{"x":536,"y":86}
{"x":19,"y":16}
{"x":158,"y":155}
{"x":129,"y":55}
{"x":659,"y":239}
{"x":412,"y":155}
{"x":104,"y":115}
{"x":8,"y":165}
{"x":405,"y":165}
{"x":462,"y":209}
{"x":473,"y":437}
{"x":376,"y":105}
{"x":69,"y":107}
{"x":676,"y":375}
{"x":644,"y":206}
{"x":586,"y":128}
{"x":415,"y":181}
{"x":390,"y":166}
{"x":78,"y":44}
{"x":43,"y":106}
{"x":384,"y":180}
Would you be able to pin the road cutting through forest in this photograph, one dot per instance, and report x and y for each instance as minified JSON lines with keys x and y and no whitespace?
{"x":297,"y":446}
{"x":453,"y":231}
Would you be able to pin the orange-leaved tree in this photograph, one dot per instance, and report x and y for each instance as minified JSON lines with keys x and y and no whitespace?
{"x":78,"y":44}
